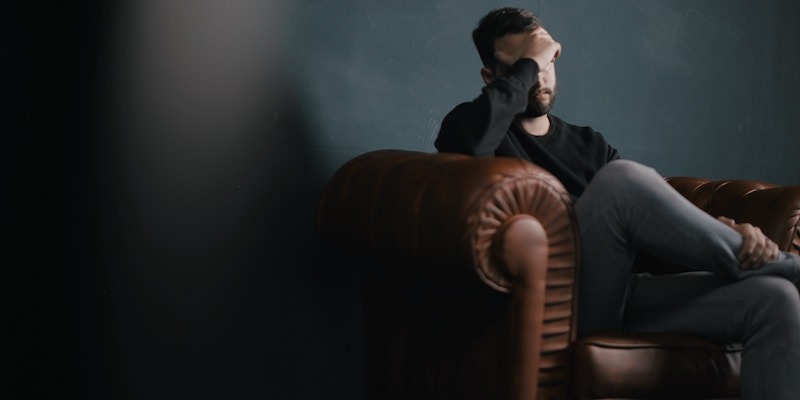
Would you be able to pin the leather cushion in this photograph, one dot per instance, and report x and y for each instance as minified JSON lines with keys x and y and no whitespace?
{"x":639,"y":366}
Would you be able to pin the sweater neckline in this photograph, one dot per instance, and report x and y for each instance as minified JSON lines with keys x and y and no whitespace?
{"x":552,"y":131}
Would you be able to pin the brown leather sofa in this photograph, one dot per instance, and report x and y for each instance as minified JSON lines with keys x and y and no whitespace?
{"x":469,"y":277}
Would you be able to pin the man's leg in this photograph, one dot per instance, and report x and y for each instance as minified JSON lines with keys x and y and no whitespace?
{"x":629,"y":207}
{"x":760,"y":312}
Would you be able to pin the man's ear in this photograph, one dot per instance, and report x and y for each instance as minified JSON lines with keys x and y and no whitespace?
{"x":487,"y":75}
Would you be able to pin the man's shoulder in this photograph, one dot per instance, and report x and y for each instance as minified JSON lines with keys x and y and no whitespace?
{"x":463,"y":107}
{"x":459,"y":112}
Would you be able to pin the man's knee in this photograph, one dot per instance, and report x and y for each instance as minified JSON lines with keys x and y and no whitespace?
{"x":773,"y":297}
{"x":623,"y":179}
{"x":625,"y":171}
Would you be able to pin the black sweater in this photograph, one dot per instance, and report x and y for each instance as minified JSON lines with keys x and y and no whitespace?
{"x":489,"y":126}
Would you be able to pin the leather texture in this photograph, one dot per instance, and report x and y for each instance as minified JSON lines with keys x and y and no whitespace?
{"x":469,"y":277}
{"x":645,"y":366}
{"x":445,"y":315}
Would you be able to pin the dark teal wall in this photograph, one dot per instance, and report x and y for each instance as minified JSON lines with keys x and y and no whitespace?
{"x":165,"y":158}
{"x":703,"y":88}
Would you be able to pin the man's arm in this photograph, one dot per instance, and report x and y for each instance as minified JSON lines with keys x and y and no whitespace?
{"x":477,"y":128}
{"x":611,"y":153}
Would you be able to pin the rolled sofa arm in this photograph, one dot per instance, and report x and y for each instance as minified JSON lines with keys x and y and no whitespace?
{"x":445,"y":210}
{"x":449,"y":221}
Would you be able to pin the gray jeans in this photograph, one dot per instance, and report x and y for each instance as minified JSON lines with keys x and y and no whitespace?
{"x":628,"y":207}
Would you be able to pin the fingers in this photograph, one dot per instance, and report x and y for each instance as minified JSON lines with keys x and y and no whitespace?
{"x":554,"y":47}
{"x":750,"y":255}
{"x":726,"y":221}
{"x":540,"y":47}
{"x":757,"y":248}
{"x":766,"y":251}
{"x":545,"y":50}
{"x":770,"y":253}
{"x":536,"y":45}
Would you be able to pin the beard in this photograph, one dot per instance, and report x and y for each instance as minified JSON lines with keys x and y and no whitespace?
{"x":537,"y":107}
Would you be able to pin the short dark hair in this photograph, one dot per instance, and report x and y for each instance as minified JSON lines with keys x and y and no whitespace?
{"x":498,"y":23}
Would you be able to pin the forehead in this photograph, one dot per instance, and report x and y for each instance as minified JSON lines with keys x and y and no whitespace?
{"x":510,"y":43}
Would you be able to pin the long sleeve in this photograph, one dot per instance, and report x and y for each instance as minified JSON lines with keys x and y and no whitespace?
{"x":477,"y":128}
{"x":487,"y":127}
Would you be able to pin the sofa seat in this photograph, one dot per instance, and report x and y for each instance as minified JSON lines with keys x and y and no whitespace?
{"x":654,"y":366}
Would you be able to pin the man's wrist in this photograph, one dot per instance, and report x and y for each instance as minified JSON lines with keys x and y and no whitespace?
{"x":525,"y":69}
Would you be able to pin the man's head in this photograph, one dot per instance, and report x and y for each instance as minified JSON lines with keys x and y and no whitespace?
{"x":499,"y":23}
{"x":505,"y":29}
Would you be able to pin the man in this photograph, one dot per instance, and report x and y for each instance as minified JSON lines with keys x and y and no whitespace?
{"x":744,"y":290}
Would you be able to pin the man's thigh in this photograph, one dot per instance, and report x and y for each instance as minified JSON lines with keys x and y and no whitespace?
{"x":700,"y":303}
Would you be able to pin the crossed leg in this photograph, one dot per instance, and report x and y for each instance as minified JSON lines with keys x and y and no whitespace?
{"x":628,"y":207}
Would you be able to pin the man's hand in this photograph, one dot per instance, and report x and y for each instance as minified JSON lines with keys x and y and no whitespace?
{"x":537,"y":45}
{"x":756,"y":249}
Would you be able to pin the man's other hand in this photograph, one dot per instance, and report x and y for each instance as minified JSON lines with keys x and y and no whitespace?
{"x":757,"y":248}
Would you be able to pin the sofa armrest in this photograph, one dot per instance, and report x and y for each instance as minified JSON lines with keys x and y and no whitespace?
{"x":773,"y":208}
{"x":469,"y":275}
{"x":444,"y":210}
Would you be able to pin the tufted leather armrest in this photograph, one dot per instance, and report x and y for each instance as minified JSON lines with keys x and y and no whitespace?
{"x":500,"y":230}
{"x":444,"y":209}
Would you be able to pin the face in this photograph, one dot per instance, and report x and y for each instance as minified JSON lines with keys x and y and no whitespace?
{"x":543,"y":95}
